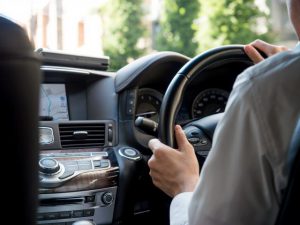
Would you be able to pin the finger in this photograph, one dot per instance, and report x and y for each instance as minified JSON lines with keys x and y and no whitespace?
{"x":253,"y":54}
{"x":181,"y":139}
{"x":264,"y":47}
{"x":155,"y":144}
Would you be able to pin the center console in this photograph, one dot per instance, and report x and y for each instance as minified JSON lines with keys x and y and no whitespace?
{"x":84,"y":172}
{"x":76,"y":186}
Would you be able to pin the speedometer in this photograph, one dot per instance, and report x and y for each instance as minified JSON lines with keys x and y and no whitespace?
{"x":148,"y":104}
{"x":208,"y":102}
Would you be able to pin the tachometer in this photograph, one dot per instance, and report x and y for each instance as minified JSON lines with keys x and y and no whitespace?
{"x":148,"y":103}
{"x":208,"y":102}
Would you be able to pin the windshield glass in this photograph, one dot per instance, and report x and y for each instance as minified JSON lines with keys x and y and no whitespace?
{"x":127,"y":29}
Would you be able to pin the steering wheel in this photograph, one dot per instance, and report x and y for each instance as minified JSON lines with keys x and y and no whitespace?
{"x":200,"y":131}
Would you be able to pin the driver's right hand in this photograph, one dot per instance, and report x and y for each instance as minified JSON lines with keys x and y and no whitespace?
{"x":268,"y":49}
{"x":174,"y":170}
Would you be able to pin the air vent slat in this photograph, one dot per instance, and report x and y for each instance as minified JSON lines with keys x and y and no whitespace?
{"x":91,"y":135}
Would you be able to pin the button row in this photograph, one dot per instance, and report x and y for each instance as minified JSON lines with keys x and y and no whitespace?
{"x":66,"y":214}
{"x":101,"y":163}
{"x":78,"y":154}
{"x":60,"y":223}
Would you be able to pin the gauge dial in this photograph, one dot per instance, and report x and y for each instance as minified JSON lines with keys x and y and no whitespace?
{"x":148,"y":104}
{"x":208,"y":102}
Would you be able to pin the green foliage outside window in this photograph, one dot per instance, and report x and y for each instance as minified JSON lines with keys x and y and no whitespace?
{"x":223,"y":22}
{"x":123,"y":30}
{"x":177,"y":27}
{"x":185,"y":26}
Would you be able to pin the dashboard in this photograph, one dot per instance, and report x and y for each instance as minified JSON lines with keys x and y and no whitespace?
{"x":93,"y":153}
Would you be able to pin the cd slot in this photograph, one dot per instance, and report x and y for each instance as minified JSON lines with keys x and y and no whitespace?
{"x":61,"y":201}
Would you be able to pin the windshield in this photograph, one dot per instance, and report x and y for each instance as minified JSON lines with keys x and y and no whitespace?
{"x":127,"y":29}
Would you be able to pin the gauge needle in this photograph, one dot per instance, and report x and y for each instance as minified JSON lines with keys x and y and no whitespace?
{"x":147,"y":113}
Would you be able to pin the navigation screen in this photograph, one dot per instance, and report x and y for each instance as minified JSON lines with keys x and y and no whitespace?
{"x":54,"y":102}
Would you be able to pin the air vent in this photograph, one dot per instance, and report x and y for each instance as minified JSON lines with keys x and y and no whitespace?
{"x":82,"y":135}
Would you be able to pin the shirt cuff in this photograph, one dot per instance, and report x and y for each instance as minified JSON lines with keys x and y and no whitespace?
{"x":179,"y":208}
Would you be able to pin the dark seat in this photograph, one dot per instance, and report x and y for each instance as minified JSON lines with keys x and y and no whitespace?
{"x":19,"y":95}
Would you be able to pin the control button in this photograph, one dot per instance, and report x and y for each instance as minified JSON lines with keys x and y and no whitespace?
{"x":97,"y":163}
{"x":69,"y":163}
{"x":104,"y":163}
{"x":40,"y":216}
{"x":64,"y":215}
{"x":130,"y":152}
{"x":66,"y":174}
{"x":84,"y":162}
{"x":194,"y":140}
{"x":88,"y":212}
{"x":107,"y":198}
{"x":70,"y":223}
{"x":203,"y":141}
{"x":51,"y":216}
{"x":90,"y":198}
{"x":78,"y":213}
{"x":71,"y":168}
{"x":130,"y":103}
{"x":49,"y":166}
{"x":60,"y":223}
{"x":85,"y":165}
{"x":104,"y":154}
{"x":110,"y":133}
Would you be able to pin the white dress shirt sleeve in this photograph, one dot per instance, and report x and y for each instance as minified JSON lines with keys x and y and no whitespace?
{"x":179,"y":208}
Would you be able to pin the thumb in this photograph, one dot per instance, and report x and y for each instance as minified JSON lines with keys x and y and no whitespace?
{"x":182,"y":142}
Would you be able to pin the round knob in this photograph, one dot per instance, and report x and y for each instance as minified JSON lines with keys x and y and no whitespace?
{"x":48,"y":166}
{"x":107,"y":198}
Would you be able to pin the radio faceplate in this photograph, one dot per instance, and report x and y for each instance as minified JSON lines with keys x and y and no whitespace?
{"x":66,"y":208}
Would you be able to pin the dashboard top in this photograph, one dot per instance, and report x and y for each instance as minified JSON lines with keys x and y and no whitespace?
{"x":135,"y":91}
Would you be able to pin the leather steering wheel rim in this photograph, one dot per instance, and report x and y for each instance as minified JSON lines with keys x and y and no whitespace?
{"x":173,"y":97}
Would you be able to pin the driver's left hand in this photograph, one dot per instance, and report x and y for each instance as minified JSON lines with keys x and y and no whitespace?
{"x":174,"y":170}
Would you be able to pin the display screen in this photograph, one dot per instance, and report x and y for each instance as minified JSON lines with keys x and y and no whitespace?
{"x":54,"y":105}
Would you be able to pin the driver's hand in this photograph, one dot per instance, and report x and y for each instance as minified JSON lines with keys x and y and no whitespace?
{"x":268,"y":49}
{"x":174,"y":170}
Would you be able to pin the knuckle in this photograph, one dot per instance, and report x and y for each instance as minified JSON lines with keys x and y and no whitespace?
{"x":257,"y":41}
{"x":151,"y":162}
{"x":158,"y":153}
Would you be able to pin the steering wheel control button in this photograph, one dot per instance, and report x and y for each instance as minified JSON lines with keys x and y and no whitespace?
{"x":130,"y":153}
{"x":194,"y":140}
{"x":49,"y":166}
{"x":203,"y":153}
{"x":107,"y":198}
